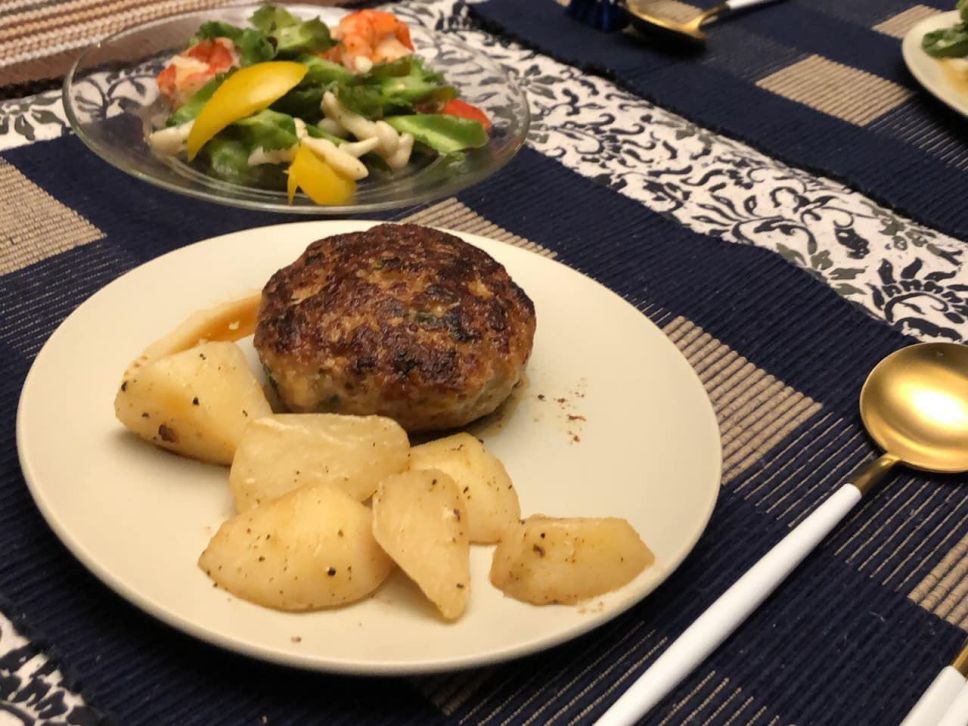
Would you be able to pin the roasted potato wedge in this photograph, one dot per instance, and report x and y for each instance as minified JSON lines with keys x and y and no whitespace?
{"x":226,"y":322}
{"x":195,"y":403}
{"x":489,"y":496}
{"x":312,"y":548}
{"x":281,"y":452}
{"x":419,"y":520}
{"x":545,"y":560}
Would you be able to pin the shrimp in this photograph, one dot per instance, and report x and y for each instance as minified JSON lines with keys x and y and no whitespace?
{"x":370,"y":36}
{"x":192,"y":69}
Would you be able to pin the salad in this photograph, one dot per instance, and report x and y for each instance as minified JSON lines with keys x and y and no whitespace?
{"x":949,"y":42}
{"x":295,"y":104}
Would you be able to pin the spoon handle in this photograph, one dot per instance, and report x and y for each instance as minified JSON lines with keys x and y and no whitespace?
{"x":947,"y":696}
{"x":730,"y":610}
{"x":739,"y":4}
{"x":935,"y":701}
{"x":957,"y":713}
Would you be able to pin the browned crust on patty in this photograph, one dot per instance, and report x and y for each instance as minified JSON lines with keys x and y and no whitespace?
{"x":405,"y":310}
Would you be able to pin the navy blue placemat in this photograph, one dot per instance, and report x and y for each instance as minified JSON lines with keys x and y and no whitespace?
{"x":817,"y":83}
{"x":853,"y":638}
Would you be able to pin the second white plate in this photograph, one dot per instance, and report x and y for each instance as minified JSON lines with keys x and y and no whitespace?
{"x":612,"y":421}
{"x":931,"y":72}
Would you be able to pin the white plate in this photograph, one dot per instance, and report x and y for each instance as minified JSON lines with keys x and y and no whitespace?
{"x":930,"y":72}
{"x":137,"y":517}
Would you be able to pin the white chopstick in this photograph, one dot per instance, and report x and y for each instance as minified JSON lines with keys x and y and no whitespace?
{"x":730,"y":610}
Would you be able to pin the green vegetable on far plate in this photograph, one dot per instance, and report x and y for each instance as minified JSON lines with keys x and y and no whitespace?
{"x":946,"y":43}
{"x":228,"y":160}
{"x":444,"y":134}
{"x":949,"y":42}
{"x":267,"y":129}
{"x":254,"y":47}
{"x":292,"y":36}
{"x":304,"y":100}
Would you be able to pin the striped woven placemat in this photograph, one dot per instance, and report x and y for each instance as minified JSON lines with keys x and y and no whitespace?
{"x":878,"y":609}
{"x":819,"y":84}
{"x":853,"y":637}
{"x":40,"y":39}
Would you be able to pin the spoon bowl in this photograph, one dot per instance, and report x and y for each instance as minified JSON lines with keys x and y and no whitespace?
{"x":655,"y":18}
{"x":653,"y":24}
{"x":914,"y":404}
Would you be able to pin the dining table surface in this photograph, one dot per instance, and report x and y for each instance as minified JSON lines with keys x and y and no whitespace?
{"x":786,"y":203}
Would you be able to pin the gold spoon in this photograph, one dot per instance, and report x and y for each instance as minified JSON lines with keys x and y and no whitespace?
{"x":914,"y":404}
{"x":645,"y":21}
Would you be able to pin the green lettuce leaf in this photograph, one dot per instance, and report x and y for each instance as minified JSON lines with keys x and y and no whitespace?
{"x":361,"y":99}
{"x":269,"y":17}
{"x":267,"y":129}
{"x":216,"y":29}
{"x":305,"y":99}
{"x":322,"y":71}
{"x":228,"y":159}
{"x":311,"y":36}
{"x":947,"y":43}
{"x":189,"y":110}
{"x":393,"y":88}
{"x":253,"y":46}
{"x":445,"y":134}
{"x":290,"y":35}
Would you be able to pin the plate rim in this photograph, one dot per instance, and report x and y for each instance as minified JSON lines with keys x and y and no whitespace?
{"x":914,"y":55}
{"x":313,"y":661}
{"x":318,"y":210}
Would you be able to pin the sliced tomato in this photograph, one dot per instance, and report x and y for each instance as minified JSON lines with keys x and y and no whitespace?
{"x":462,"y":109}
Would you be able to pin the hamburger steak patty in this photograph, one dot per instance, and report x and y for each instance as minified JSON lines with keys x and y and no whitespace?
{"x":400,"y":320}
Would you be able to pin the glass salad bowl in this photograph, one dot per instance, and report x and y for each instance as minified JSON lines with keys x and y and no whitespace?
{"x":112,"y":102}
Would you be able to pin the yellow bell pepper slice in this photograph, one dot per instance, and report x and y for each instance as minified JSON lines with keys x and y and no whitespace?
{"x":247,"y":91}
{"x":318,"y":179}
